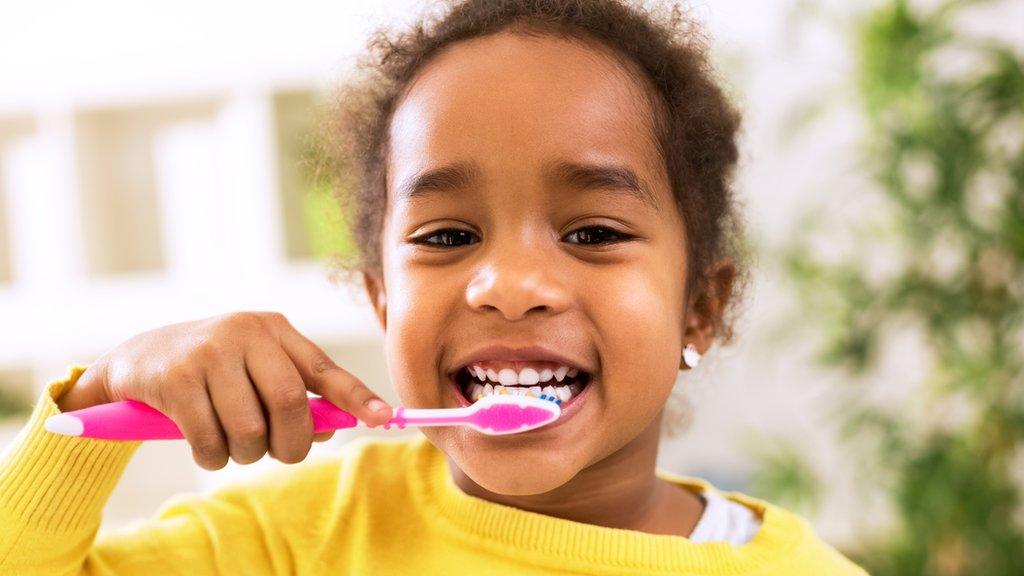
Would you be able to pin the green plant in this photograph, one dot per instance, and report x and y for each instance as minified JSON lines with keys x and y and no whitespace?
{"x":783,"y":473}
{"x":941,"y":255}
{"x":13,"y":403}
{"x":325,"y":224}
{"x":325,"y":227}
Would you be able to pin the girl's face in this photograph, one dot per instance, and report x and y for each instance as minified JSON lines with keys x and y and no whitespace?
{"x":519,"y":263}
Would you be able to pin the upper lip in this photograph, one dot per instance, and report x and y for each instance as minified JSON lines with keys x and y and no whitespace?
{"x":509,"y":353}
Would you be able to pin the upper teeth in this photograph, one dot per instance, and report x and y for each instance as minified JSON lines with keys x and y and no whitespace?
{"x":525,"y":377}
{"x":560,"y":394}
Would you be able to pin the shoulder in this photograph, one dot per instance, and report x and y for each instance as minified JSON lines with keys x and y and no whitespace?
{"x":785,"y":542}
{"x":806,"y":551}
{"x":365,"y":460}
{"x":359,"y":467}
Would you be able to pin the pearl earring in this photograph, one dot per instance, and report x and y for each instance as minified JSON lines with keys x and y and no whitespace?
{"x":690,"y":356}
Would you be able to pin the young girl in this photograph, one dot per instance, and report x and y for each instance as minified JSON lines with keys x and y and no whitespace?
{"x":543,"y":199}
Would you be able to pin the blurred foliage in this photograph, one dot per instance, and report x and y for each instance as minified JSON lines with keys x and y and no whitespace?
{"x":783,"y":473}
{"x":326,"y":228}
{"x":12,"y":403}
{"x":941,"y":251}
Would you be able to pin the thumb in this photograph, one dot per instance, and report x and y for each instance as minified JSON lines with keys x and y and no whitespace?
{"x":90,"y":389}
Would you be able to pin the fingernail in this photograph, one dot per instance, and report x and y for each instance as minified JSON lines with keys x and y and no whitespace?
{"x":377,"y":405}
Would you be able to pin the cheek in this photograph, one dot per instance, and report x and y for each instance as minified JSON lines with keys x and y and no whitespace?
{"x":640,"y":330}
{"x":416,"y":317}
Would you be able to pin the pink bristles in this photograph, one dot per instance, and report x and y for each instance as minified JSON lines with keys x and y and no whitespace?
{"x":505,"y":418}
{"x":499,"y":414}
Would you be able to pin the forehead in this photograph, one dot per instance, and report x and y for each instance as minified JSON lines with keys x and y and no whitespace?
{"x":513,"y":104}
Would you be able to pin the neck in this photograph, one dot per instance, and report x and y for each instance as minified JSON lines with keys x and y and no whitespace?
{"x":619,"y":491}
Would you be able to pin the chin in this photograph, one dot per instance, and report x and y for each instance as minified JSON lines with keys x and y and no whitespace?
{"x":519,"y":473}
{"x":516,"y":483}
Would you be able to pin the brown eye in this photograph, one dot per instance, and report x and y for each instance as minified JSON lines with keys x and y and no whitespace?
{"x":595,"y":235}
{"x":448,"y":237}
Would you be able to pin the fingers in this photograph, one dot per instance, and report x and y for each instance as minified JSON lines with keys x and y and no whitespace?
{"x":198,"y":422}
{"x":89,"y":390}
{"x":283,"y":394}
{"x":239,"y":410}
{"x":323,"y":436}
{"x":322,"y":376}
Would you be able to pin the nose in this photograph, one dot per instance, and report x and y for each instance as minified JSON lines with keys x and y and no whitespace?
{"x":516,"y":279}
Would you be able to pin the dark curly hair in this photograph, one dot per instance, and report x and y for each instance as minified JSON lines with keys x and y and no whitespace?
{"x":662,"y":48}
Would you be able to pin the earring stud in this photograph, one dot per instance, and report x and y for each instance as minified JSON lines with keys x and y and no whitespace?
{"x":690,"y":356}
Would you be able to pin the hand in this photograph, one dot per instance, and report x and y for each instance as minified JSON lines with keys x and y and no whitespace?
{"x":235,"y":385}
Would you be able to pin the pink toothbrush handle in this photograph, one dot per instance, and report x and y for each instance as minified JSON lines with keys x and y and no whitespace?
{"x":132,"y":420}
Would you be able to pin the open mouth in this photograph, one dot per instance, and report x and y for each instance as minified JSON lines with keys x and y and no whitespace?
{"x":559,"y":385}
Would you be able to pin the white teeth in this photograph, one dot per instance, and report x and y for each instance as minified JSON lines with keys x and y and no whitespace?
{"x":529,"y":377}
{"x":526,"y":377}
{"x":476,"y":391}
{"x":508,"y":376}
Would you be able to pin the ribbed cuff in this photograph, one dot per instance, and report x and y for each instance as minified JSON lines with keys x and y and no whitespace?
{"x":55,"y":483}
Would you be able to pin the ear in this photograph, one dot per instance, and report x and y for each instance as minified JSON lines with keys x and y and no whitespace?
{"x":375,"y":290}
{"x":706,"y":306}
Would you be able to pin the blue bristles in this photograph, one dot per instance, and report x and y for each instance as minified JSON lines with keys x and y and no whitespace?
{"x":551,"y":399}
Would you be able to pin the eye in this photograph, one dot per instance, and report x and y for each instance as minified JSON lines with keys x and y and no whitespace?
{"x":454,"y":237}
{"x":449,"y":237}
{"x":596,"y":235}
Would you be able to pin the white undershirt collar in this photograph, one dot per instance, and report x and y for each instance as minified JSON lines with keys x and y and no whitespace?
{"x":724,"y":520}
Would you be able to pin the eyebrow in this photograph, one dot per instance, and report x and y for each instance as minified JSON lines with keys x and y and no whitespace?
{"x":577,"y":175}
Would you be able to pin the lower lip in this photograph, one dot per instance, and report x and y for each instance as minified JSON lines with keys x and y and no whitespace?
{"x":569,"y":409}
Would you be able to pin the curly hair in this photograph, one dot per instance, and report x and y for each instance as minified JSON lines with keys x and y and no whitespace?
{"x":663,"y":49}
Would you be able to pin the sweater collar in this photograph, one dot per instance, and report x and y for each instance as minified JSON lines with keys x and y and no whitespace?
{"x":554,"y":541}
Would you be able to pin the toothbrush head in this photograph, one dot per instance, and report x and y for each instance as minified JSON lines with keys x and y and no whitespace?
{"x":509,"y":414}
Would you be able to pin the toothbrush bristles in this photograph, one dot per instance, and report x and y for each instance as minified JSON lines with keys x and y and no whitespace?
{"x":551,"y":399}
{"x":506,"y":392}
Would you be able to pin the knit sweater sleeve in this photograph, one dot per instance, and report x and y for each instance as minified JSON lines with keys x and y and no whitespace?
{"x":52,"y":492}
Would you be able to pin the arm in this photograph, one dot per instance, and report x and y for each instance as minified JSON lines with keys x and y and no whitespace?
{"x":52,"y":492}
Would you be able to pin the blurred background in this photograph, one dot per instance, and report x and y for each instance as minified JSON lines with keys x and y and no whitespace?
{"x":151,"y":172}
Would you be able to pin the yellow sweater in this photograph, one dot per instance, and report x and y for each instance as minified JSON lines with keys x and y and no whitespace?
{"x":378,"y":506}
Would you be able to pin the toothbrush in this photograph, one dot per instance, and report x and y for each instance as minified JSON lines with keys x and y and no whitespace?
{"x":133,"y":420}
